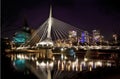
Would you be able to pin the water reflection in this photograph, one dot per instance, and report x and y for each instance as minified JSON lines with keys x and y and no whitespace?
{"x":75,"y":64}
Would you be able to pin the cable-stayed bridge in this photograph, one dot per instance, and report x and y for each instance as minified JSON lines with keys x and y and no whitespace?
{"x":42,"y":60}
{"x":51,"y":30}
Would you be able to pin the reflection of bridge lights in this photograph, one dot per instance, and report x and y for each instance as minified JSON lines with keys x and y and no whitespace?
{"x":69,"y":62}
{"x":109,"y":64}
{"x":53,"y":58}
{"x":65,"y":57}
{"x":37,"y":63}
{"x":98,"y":63}
{"x":43,"y":43}
{"x":42,"y":64}
{"x":90,"y":68}
{"x":90,"y":63}
{"x":45,"y":65}
{"x":64,"y":61}
{"x":62,"y":49}
{"x":62,"y":56}
{"x":76,"y":60}
{"x":20,"y":56}
{"x":83,"y":63}
{"x":85,"y":59}
{"x":73,"y":66}
{"x":51,"y":64}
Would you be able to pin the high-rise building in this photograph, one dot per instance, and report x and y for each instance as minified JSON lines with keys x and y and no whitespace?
{"x":72,"y":33}
{"x":84,"y":37}
{"x":96,"y":36}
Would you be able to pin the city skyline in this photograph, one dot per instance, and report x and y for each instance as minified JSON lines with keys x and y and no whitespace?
{"x":86,"y":15}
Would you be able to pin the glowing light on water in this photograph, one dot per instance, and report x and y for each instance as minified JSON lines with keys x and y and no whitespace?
{"x":90,"y":64}
{"x":73,"y":66}
{"x":98,"y":63}
{"x":62,"y":56}
{"x":42,"y":64}
{"x":37,"y":63}
{"x":62,"y":66}
{"x":51,"y":65}
{"x":90,"y":68}
{"x":53,"y":58}
{"x":85,"y":59}
{"x":80,"y":67}
{"x":58,"y":64}
{"x":65,"y":57}
{"x":83,"y":63}
{"x":19,"y":64}
{"x":109,"y":64}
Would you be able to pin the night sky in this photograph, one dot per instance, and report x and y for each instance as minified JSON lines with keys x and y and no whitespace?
{"x":103,"y":15}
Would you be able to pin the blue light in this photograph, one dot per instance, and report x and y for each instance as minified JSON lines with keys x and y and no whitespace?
{"x":21,"y":37}
{"x":82,"y":37}
{"x":71,"y":52}
{"x":19,"y":64}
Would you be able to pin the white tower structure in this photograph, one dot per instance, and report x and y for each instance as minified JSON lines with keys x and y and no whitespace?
{"x":48,"y":41}
{"x":49,"y":24}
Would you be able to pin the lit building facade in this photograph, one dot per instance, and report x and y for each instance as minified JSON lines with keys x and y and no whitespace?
{"x":23,"y":35}
{"x":72,"y":33}
{"x":96,"y":36}
{"x":84,"y":37}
